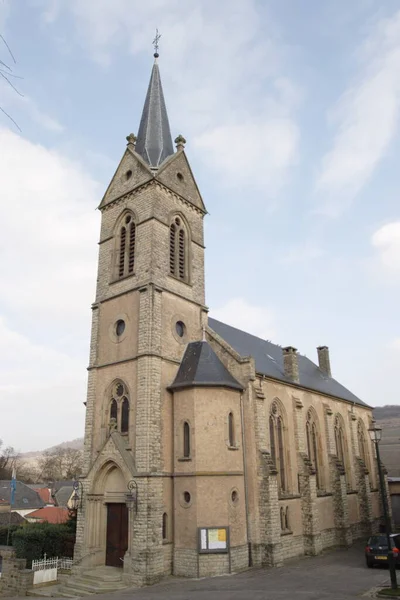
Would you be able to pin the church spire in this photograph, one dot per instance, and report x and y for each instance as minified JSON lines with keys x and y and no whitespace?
{"x":154,"y":141}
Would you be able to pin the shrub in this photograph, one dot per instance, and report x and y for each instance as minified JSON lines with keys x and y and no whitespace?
{"x":4,"y":534}
{"x":35,"y":540}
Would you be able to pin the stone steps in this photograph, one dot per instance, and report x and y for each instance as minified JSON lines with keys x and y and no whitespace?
{"x":101,"y":580}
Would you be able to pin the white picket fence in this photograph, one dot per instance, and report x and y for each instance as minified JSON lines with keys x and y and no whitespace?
{"x":45,"y":569}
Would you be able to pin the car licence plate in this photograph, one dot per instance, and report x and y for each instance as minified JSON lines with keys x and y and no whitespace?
{"x":380,"y":557}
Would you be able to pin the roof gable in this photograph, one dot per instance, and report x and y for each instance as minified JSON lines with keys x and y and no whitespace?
{"x":131,"y":173}
{"x":268,"y":359}
{"x":201,"y":367}
{"x":177,"y":175}
{"x":25,"y":497}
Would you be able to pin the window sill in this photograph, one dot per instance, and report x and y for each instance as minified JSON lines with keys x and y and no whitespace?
{"x":349,"y":492}
{"x":166,"y":543}
{"x":286,"y":532}
{"x":185,"y":459}
{"x":288,"y":496}
{"x":233,"y":447}
{"x":184,"y":281}
{"x":118,"y":279}
{"x":323,"y":494}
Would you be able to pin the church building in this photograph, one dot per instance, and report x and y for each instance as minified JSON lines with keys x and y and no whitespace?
{"x":207,"y":450}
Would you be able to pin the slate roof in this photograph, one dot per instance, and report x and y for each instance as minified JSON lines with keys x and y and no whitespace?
{"x":16,"y":519}
{"x":63,"y":495}
{"x":154,"y":142}
{"x":200,"y":366}
{"x":25,"y":497}
{"x":269,"y":361}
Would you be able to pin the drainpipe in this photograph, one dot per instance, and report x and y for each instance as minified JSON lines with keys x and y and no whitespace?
{"x":246,"y":493}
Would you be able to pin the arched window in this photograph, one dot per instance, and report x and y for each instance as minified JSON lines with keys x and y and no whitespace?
{"x":314,"y":446}
{"x":119,"y":406}
{"x":341,"y":447}
{"x":178,"y":249}
{"x":278,"y":444}
{"x":126,"y":247}
{"x":282,"y":515}
{"x":287,"y":524}
{"x":363,"y":444}
{"x":125,"y":415}
{"x":114,"y":410}
{"x":231,"y":430}
{"x":186,"y":440}
{"x":165,"y":526}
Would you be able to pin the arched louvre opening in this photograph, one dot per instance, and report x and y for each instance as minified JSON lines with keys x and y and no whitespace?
{"x":132,"y":241}
{"x":125,"y":416}
{"x":178,"y":250}
{"x":121,"y":269}
{"x":278,"y":445}
{"x":186,"y":440}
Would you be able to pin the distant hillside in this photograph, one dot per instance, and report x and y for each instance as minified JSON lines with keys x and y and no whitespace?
{"x":76,"y":444}
{"x":388,"y":418}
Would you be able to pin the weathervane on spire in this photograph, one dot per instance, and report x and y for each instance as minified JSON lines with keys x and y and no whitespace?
{"x":155,"y":43}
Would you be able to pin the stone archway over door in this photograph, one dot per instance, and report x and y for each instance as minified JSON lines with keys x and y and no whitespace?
{"x":117,"y":534}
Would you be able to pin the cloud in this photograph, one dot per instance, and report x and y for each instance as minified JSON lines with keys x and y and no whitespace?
{"x":231,"y":96}
{"x":386,"y":240}
{"x":48,"y":245}
{"x":366,"y":118}
{"x":303,"y":253}
{"x":16,"y":105}
{"x":395,"y":344}
{"x":258,"y":320}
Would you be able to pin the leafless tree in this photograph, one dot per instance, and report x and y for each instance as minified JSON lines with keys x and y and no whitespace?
{"x":7,"y":73}
{"x":60,"y":463}
{"x":7,"y":461}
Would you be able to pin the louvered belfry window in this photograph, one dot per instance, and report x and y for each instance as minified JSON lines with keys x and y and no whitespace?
{"x":126,"y":253}
{"x":178,"y":250}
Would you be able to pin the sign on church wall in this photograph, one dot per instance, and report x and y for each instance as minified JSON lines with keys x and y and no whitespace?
{"x":213,"y":540}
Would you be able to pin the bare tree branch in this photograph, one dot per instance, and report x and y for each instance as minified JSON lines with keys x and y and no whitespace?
{"x":8,"y":48}
{"x":11,"y":119}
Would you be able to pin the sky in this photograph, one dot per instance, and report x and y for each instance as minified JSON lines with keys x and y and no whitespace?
{"x":291,"y":115}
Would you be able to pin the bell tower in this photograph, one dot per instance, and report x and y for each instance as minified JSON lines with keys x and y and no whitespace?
{"x":149,"y":305}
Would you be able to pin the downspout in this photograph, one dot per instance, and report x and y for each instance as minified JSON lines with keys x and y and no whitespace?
{"x":246,"y":492}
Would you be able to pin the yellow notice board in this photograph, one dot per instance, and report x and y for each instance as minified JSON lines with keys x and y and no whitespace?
{"x":213,"y":539}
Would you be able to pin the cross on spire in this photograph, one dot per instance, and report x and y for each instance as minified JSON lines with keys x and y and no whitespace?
{"x":155,"y":44}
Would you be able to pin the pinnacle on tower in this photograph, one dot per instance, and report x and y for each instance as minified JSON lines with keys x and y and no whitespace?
{"x":154,"y":141}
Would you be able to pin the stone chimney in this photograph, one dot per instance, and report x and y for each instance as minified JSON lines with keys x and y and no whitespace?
{"x":291,"y":363}
{"x":323,"y":360}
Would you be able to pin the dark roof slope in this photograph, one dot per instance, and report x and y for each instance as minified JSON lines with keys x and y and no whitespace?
{"x":25,"y":497}
{"x":154,"y":142}
{"x":11,"y":519}
{"x":63,"y":495}
{"x":200,"y":366}
{"x":269,"y":361}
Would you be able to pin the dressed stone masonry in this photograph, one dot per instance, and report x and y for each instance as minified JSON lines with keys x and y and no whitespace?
{"x":191,"y":423}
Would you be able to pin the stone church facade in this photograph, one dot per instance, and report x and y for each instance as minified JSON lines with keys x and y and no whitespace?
{"x":207,"y":450}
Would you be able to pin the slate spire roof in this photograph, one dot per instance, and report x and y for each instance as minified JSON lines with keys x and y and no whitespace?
{"x":201,"y":367}
{"x":154,"y":141}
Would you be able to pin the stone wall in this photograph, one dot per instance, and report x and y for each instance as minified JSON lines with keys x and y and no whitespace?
{"x":15,"y":578}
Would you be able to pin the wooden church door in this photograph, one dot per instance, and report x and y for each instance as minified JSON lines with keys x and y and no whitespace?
{"x":117,"y":534}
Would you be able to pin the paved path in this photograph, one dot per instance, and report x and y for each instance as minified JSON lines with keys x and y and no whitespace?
{"x":337,"y":575}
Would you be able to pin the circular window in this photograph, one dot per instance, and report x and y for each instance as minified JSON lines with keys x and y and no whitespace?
{"x":128,"y":219}
{"x":186,"y":497}
{"x":179,"y":176}
{"x":128,"y":174}
{"x":177,"y":221}
{"x":119,"y":390}
{"x":180,"y":328}
{"x":119,"y":327}
{"x":234,"y":497}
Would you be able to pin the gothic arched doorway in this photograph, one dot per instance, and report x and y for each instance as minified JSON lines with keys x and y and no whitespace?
{"x":111,"y":485}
